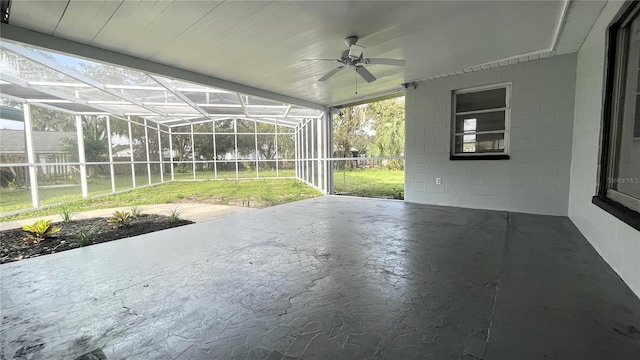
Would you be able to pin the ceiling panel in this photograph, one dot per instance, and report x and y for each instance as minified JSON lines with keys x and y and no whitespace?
{"x":90,"y":16}
{"x":38,"y":15}
{"x":260,"y":43}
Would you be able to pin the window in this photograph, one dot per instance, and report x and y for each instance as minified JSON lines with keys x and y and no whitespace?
{"x":480,"y":126}
{"x":619,"y":178}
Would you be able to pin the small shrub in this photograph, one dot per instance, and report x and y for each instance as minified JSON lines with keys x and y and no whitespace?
{"x":83,"y":236}
{"x":120,"y":218}
{"x":136,"y":211}
{"x":174,"y":215}
{"x":66,"y":214}
{"x":40,"y":230}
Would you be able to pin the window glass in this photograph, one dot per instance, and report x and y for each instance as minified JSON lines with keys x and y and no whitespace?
{"x":480,"y":143}
{"x":626,"y":168}
{"x":481,"y":100}
{"x":480,"y":123}
{"x":619,"y":171}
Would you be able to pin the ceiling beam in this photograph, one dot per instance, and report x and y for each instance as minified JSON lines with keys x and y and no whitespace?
{"x":38,"y":104}
{"x":15,"y":33}
{"x":172,"y":89}
{"x":55,"y":93}
{"x":244,"y":106}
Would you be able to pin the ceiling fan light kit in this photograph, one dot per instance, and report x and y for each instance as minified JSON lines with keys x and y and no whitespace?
{"x":354,"y":58}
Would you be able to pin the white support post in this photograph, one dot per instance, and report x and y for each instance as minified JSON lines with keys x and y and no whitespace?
{"x":82,"y":158}
{"x":173,"y":177}
{"x":319,"y":153}
{"x":300,"y":156}
{"x":146,"y":142}
{"x":31,"y":159}
{"x":303,"y":147}
{"x":312,"y":143}
{"x":328,"y":118}
{"x":306,"y":151}
{"x":277,"y":149}
{"x":111,"y":167}
{"x":295,"y":151}
{"x":133,"y":166}
{"x":215,"y":153}
{"x":235,"y":135}
{"x":255,"y":133}
{"x":193,"y":153}
{"x":160,"y":154}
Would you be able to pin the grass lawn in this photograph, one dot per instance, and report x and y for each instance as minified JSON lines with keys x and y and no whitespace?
{"x":231,"y":174}
{"x":14,"y":200}
{"x":369,"y":182}
{"x":259,"y":192}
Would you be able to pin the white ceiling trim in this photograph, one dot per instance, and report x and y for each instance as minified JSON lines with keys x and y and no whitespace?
{"x":34,"y":38}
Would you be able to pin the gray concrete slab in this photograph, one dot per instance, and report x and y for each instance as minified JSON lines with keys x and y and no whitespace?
{"x":326,"y":278}
{"x":558,"y":299}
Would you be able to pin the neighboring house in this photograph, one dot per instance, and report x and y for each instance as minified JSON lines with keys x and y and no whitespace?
{"x":47,"y":150}
{"x":123,"y":154}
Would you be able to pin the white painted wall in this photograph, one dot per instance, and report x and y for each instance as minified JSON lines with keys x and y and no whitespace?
{"x":534,"y":180}
{"x":617,"y":243}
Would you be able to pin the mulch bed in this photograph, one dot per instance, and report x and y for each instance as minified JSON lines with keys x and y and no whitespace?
{"x":14,"y":248}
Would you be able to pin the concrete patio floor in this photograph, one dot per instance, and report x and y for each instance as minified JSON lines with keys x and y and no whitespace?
{"x":327,"y":278}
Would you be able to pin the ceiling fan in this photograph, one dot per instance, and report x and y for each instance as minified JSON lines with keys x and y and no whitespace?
{"x":353,"y":57}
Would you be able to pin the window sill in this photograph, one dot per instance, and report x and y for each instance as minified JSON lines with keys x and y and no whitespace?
{"x":623,"y":213}
{"x":479,"y":157}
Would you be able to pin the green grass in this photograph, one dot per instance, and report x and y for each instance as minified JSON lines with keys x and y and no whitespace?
{"x":263,"y":192}
{"x":369,"y":182}
{"x":258,"y":192}
{"x":231,"y":174}
{"x":14,"y":200}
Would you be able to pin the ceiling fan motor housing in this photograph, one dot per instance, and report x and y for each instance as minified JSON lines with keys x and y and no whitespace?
{"x":351,"y":40}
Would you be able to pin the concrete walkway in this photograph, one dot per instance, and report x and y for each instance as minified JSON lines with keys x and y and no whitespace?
{"x":196,"y":212}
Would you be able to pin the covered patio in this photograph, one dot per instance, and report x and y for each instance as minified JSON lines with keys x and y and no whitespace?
{"x":343,"y":278}
{"x":519,"y":237}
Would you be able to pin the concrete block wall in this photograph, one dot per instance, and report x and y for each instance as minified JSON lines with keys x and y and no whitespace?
{"x":617,"y":243}
{"x":536,"y":177}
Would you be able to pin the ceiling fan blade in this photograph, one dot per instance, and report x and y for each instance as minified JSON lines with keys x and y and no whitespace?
{"x":331,"y":73}
{"x":332,"y":60}
{"x":394,"y":62}
{"x":366,"y":75}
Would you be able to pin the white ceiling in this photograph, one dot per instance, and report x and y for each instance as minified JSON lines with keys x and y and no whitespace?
{"x":260,"y":43}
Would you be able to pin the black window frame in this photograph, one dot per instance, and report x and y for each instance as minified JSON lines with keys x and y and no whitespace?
{"x":615,"y":71}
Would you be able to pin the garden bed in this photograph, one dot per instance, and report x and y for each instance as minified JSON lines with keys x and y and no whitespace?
{"x":14,"y":248}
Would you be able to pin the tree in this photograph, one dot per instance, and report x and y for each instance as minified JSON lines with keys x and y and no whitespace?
{"x":225,"y":140}
{"x":96,"y":148}
{"x":387,"y":120}
{"x":349,"y":130}
{"x":45,"y":119}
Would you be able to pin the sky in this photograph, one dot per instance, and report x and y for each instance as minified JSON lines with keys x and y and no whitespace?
{"x":11,"y":125}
